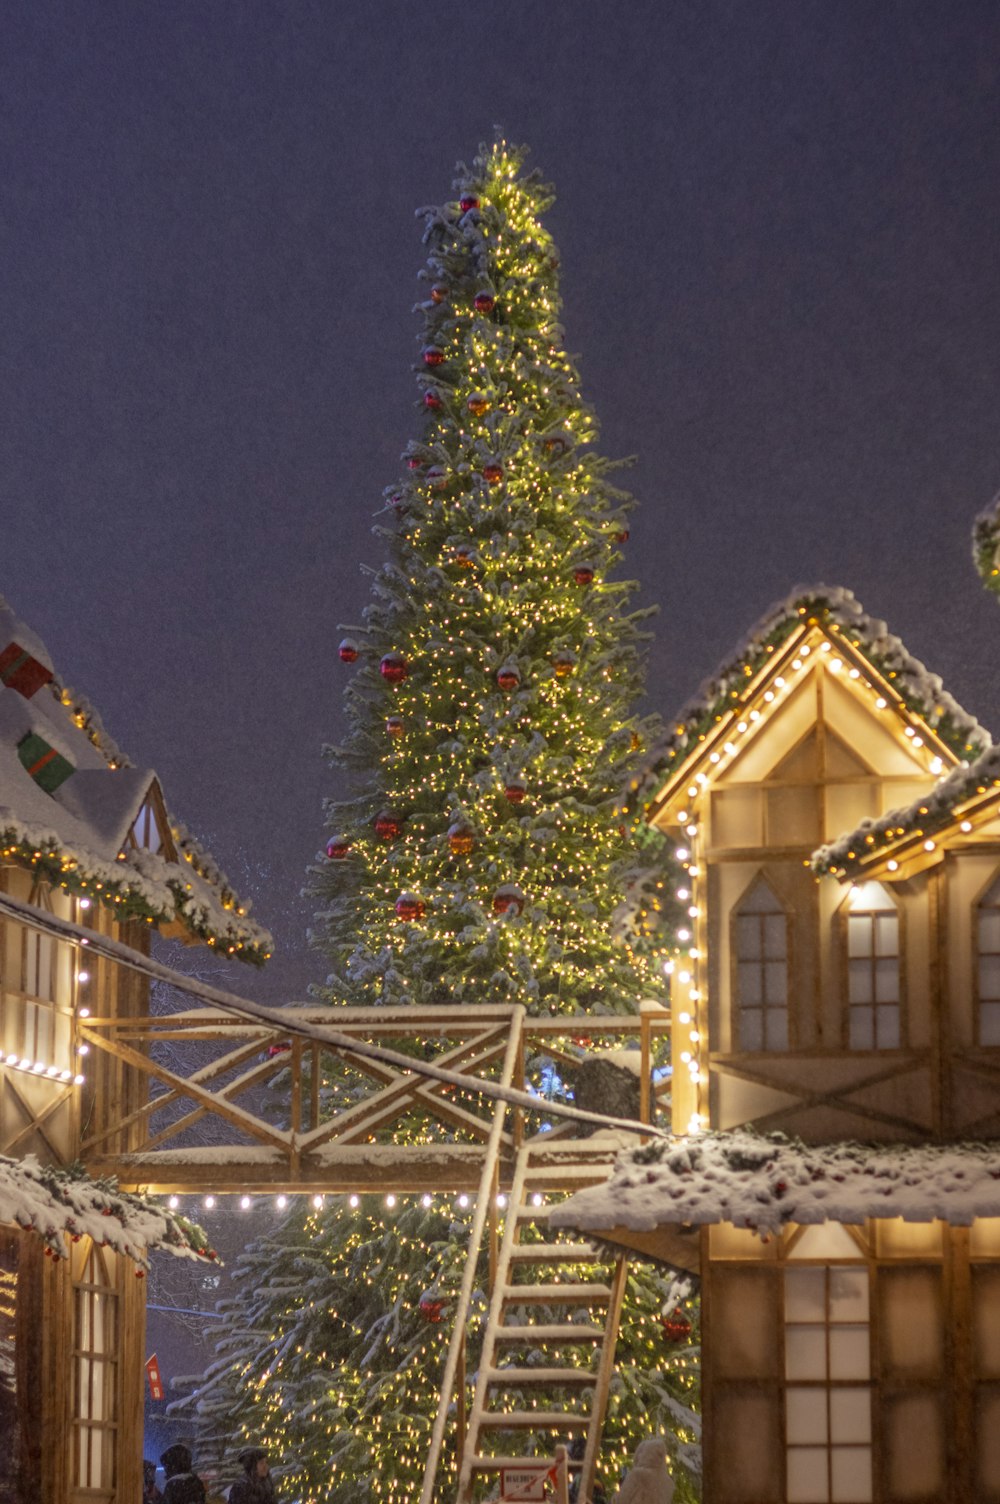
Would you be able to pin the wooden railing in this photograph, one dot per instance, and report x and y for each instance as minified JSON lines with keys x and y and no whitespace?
{"x":208,"y":1118}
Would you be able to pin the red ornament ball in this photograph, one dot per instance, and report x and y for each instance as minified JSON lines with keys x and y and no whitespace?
{"x":432,"y":401}
{"x":508,"y":677}
{"x":508,"y":900}
{"x":493,"y":473}
{"x":583,"y":574}
{"x":622,"y":536}
{"x":461,"y":839}
{"x":348,"y":651}
{"x":394,"y":669}
{"x":477,"y":404}
{"x":394,"y":725}
{"x":432,"y":356}
{"x":515,"y":791}
{"x":468,"y":201}
{"x":563,"y":664}
{"x":437,"y":478}
{"x":555,"y":444}
{"x":676,"y":1327}
{"x":274,"y":1050}
{"x":413,"y":461}
{"x":484,"y":302}
{"x":431,"y":1309}
{"x":410,"y":907}
{"x":439,"y":293}
{"x":337,"y":848}
{"x":464,"y":556}
{"x":387,"y":825}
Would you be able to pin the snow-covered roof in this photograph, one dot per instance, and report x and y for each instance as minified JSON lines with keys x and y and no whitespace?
{"x":75,"y":831}
{"x":921,"y":692}
{"x":57,"y":1203}
{"x":763,"y":1182}
{"x":958,"y":795}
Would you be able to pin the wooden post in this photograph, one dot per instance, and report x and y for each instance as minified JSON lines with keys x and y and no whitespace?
{"x":645,"y":1067}
{"x":461,"y":1419}
{"x":493,"y":1227}
{"x":561,"y":1494}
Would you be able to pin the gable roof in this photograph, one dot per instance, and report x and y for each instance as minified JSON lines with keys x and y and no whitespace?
{"x":74,"y":831}
{"x":705,"y":728}
{"x":913,"y":837}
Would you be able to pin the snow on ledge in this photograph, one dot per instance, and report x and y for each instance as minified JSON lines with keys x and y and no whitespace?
{"x":56,"y":1203}
{"x":762,"y":1182}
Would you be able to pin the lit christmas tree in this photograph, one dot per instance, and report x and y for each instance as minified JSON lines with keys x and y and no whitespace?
{"x":492,"y":723}
{"x":484,"y":856}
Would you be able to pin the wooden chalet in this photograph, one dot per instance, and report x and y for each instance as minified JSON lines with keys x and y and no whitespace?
{"x":86,"y":838}
{"x":833,"y":991}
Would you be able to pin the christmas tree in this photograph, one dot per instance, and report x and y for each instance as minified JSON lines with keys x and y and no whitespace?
{"x":483,"y":855}
{"x":491,"y":717}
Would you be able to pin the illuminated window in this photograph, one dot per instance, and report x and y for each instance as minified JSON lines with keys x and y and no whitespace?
{"x":988,"y":964}
{"x":828,"y":1403}
{"x":760,"y":945}
{"x":96,"y":1297}
{"x":873,"y":984}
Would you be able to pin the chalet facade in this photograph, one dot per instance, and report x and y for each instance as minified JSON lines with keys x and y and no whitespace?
{"x":840,"y":990}
{"x":85,"y":837}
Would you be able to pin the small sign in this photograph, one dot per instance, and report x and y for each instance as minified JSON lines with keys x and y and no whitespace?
{"x":527,"y":1482}
{"x":155,"y":1381}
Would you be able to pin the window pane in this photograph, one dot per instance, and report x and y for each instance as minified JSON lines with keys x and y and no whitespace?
{"x":887,"y":981}
{"x":775,"y":937}
{"x":807,"y":1476}
{"x":751,"y":1029}
{"x":989,"y":1023}
{"x":989,"y":929}
{"x":748,"y":937}
{"x":805,"y":1352}
{"x":989,"y":976}
{"x":849,"y":1354}
{"x":805,"y":1295}
{"x":859,"y":980}
{"x":776,"y":1029}
{"x":851,"y":1469}
{"x":886,"y":935}
{"x":748,"y":979}
{"x":805,"y":1416}
{"x":859,"y":935}
{"x":848,"y":1294}
{"x":850,"y":1415}
{"x":862,"y":1028}
{"x":775,"y":983}
{"x":887,"y":1028}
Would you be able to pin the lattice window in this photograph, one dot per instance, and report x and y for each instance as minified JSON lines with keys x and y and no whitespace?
{"x":988,"y":964}
{"x":96,"y":1322}
{"x":873,"y":970}
{"x":828,"y":1397}
{"x":760,"y":947}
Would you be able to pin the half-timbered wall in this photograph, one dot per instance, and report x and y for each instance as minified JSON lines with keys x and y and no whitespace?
{"x":856,"y":1365}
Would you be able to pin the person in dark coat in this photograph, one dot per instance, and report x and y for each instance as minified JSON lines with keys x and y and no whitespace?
{"x":183,"y":1486}
{"x":255,"y":1487}
{"x":150,"y":1493}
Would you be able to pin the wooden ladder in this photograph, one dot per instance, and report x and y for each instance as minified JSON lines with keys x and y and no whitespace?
{"x":538,"y":1272}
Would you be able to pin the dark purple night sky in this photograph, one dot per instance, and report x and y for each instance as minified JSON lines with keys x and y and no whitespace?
{"x":779,"y":227}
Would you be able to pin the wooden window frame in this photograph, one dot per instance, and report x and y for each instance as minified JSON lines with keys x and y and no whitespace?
{"x":735,"y":1009}
{"x":844,"y":914}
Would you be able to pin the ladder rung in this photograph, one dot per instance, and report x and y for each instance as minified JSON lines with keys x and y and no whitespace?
{"x":566,"y":1332}
{"x":550,"y":1377}
{"x":562,"y":1295}
{"x":556,"y":1175}
{"x":484,"y":1464}
{"x":532,"y":1420}
{"x":555,"y":1253}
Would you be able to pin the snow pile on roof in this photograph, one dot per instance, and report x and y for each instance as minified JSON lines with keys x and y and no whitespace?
{"x":76,"y":833}
{"x":921,"y":691}
{"x":764,"y":1181}
{"x":57,"y":1202}
{"x":930,"y":813}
